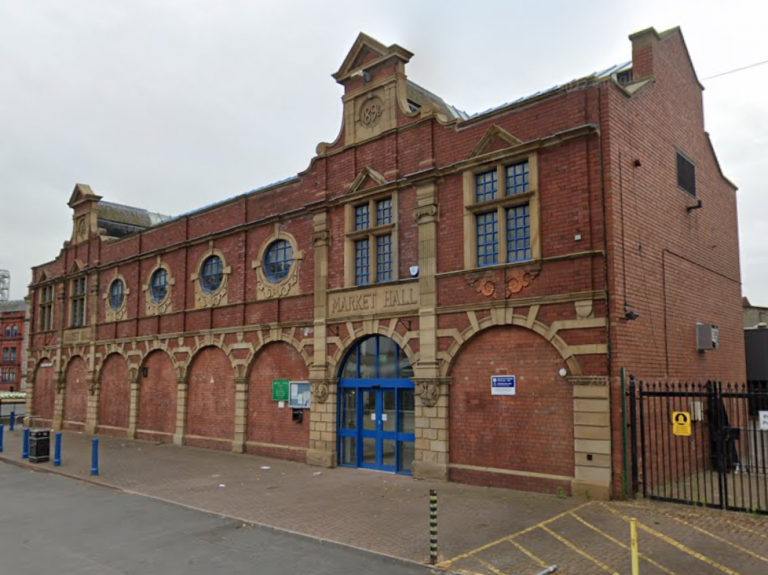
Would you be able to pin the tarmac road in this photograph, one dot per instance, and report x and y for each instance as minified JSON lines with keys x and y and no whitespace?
{"x":55,"y":525}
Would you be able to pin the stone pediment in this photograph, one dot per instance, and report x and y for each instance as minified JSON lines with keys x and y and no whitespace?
{"x":367,"y":51}
{"x":367,"y":178}
{"x":82,"y":193}
{"x":496,"y":138}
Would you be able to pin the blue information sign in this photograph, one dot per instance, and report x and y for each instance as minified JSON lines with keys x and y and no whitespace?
{"x":503,"y":385}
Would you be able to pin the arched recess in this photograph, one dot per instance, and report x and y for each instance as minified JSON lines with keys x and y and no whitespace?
{"x":76,"y":393}
{"x":244,"y":366}
{"x":157,"y":397}
{"x":44,"y":391}
{"x":210,"y":413}
{"x":266,"y":422}
{"x":115,"y":392}
{"x":511,"y":432}
{"x":545,"y":331}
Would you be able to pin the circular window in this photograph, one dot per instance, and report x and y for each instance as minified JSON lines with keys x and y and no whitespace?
{"x":159,"y":285}
{"x":212,"y":275}
{"x":278,"y":261}
{"x":116,"y":294}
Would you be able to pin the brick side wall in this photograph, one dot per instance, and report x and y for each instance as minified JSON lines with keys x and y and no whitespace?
{"x":211,"y":399}
{"x":157,"y":396}
{"x":45,"y":392}
{"x":267,"y":423}
{"x":114,"y":403}
{"x":530,"y":432}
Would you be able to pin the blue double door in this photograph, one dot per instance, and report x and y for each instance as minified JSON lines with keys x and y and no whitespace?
{"x":376,"y":425}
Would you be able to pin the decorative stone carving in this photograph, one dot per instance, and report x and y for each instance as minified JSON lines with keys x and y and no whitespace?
{"x":321,"y":238}
{"x":429,"y":391}
{"x":320,"y":391}
{"x":425,"y":214}
{"x":371,"y":111}
{"x":120,"y":313}
{"x":288,"y":286}
{"x":153,"y":307}
{"x":218,"y":297}
{"x":520,"y":280}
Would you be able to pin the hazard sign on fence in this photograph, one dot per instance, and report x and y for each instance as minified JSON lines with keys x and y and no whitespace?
{"x":681,"y":423}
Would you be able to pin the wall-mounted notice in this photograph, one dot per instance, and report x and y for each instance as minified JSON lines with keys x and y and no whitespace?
{"x":503,"y":385}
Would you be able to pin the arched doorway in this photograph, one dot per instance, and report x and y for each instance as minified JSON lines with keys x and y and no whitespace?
{"x":376,"y":407}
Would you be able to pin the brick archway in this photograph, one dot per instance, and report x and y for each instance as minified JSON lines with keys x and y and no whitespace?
{"x":44,"y":391}
{"x":75,"y":394}
{"x":210,"y":417}
{"x":115,"y":395}
{"x":157,"y":397}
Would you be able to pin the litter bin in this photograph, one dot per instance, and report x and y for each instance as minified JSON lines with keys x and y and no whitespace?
{"x":39,"y":445}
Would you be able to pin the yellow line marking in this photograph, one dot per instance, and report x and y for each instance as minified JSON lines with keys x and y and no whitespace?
{"x":465,"y":572}
{"x":675,"y":543}
{"x":763,"y":535}
{"x":718,"y":538}
{"x":617,"y":542}
{"x":448,"y":562}
{"x":488,"y":566}
{"x":570,"y":545}
{"x":531,"y":555}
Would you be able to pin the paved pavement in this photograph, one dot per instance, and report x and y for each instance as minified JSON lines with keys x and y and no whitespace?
{"x":51,"y":524}
{"x":481,"y":531}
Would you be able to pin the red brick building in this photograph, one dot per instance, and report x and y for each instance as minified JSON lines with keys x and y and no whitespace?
{"x":12,"y":345}
{"x":437,"y":293}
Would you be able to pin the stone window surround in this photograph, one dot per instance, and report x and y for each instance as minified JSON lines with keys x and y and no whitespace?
{"x":157,"y":308}
{"x":371,"y":233}
{"x":289,"y":285}
{"x":43,"y":303}
{"x":120,"y":313}
{"x":501,"y":204}
{"x":204,"y":299}
{"x":82,"y":296}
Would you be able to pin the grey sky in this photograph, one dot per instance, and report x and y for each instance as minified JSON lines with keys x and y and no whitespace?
{"x":174,"y":105}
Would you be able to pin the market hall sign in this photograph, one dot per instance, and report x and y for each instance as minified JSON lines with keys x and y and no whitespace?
{"x":374,"y":300}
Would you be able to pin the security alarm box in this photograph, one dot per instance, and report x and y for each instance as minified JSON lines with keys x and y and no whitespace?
{"x":707,"y":336}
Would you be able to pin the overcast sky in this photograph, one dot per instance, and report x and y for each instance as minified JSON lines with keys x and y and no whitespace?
{"x":172,"y":105}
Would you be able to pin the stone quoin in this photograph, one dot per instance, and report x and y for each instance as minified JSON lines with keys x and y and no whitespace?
{"x":420,"y":254}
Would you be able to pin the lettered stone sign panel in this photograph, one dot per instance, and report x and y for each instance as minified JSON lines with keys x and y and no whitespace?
{"x":374,"y":300}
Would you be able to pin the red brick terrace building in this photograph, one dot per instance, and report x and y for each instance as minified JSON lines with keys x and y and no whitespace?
{"x":555,"y":239}
{"x":12,"y":316}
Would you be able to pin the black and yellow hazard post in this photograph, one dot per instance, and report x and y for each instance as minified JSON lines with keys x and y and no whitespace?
{"x":432,"y":527}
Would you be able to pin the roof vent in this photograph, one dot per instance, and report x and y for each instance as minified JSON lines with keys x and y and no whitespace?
{"x":624,"y":77}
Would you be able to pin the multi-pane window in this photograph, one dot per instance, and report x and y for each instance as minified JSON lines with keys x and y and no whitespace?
{"x":519,"y":233}
{"x":384,"y":258}
{"x":279,"y":260}
{"x":78,"y":301}
{"x":486,"y":186}
{"x":212,"y":274}
{"x":517,"y":180}
{"x":371,"y":240}
{"x":362,"y":262}
{"x":46,"y":309}
{"x":116,"y":294}
{"x":159,"y":285}
{"x":15,"y":331}
{"x":7,"y":331}
{"x":487,"y":239}
{"x":13,"y":355}
{"x":362,"y":217}
{"x":5,"y":354}
{"x":384,"y":212}
{"x":501,"y":221}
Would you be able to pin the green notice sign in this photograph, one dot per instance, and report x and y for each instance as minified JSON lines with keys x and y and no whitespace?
{"x":280,"y":390}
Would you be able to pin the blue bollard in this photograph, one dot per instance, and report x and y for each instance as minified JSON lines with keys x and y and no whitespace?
{"x":25,"y":445}
{"x":13,"y":420}
{"x":57,"y":451}
{"x":95,"y":456}
{"x":2,"y":433}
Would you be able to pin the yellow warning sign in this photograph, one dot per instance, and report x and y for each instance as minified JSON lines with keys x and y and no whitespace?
{"x":681,"y":423}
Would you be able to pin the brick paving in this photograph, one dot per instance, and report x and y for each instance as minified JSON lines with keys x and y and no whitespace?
{"x":483,"y":531}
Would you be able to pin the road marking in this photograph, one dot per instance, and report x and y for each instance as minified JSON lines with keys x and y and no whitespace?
{"x":718,"y":538}
{"x":447,"y":563}
{"x":763,"y":535}
{"x":564,"y":541}
{"x":488,"y":566}
{"x":676,"y":544}
{"x":604,"y":534}
{"x":531,"y":555}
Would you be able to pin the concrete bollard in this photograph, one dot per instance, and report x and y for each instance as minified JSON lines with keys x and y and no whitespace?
{"x":57,"y":451}
{"x":95,"y":456}
{"x":25,"y":444}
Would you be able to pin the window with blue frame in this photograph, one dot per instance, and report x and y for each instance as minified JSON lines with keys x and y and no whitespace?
{"x":362,"y":217}
{"x":7,"y":331}
{"x":519,"y":233}
{"x":212,"y":274}
{"x":278,"y":261}
{"x":487,"y":239}
{"x":486,"y":186}
{"x":15,"y":331}
{"x":384,"y":258}
{"x":362,"y":262}
{"x":518,"y":181}
{"x":159,"y":285}
{"x":78,"y":302}
{"x":13,"y":355}
{"x":5,"y":354}
{"x":503,"y":222}
{"x":116,"y":294}
{"x":384,"y":212}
